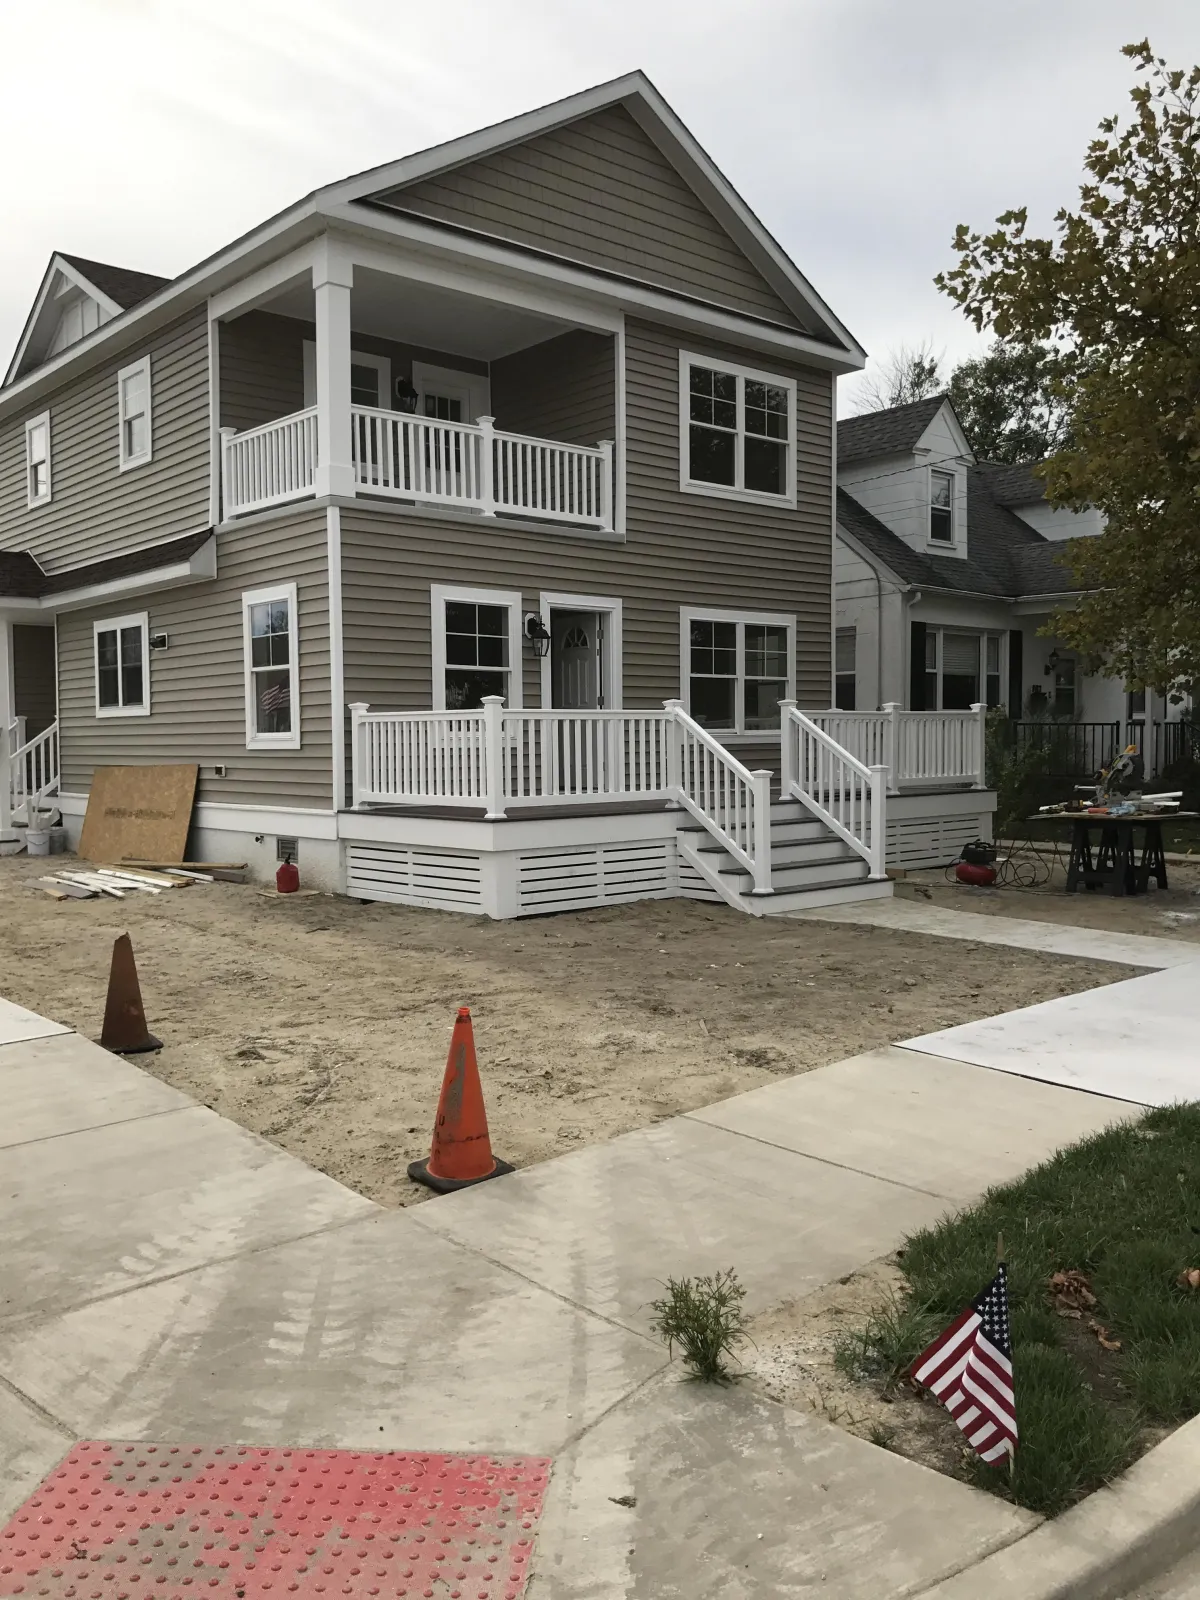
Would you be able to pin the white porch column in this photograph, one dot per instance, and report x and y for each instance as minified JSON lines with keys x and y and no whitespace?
{"x":980,"y":752}
{"x":493,"y":756}
{"x":333,"y":276}
{"x":8,"y":712}
{"x":787,"y":750}
{"x":891,"y":743}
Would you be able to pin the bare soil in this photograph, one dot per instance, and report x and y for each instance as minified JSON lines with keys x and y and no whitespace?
{"x":323,"y":1024}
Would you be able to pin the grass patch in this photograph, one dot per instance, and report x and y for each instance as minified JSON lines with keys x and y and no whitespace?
{"x":704,"y":1317}
{"x":1123,"y":1208}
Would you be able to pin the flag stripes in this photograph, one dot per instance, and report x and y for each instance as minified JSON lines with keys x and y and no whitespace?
{"x":969,"y":1369}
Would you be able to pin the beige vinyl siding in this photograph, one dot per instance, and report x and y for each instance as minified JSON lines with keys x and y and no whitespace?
{"x":197,"y":687}
{"x":96,"y":509}
{"x":262,"y":365}
{"x":600,"y":192}
{"x":680,"y":550}
{"x":33,"y":676}
{"x":564,"y":388}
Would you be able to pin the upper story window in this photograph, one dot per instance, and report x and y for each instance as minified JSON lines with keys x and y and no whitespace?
{"x":941,"y":507}
{"x":271,"y":664}
{"x":122,"y":648}
{"x":37,"y":459}
{"x":476,"y":647}
{"x":133,"y":401}
{"x":737,"y":431}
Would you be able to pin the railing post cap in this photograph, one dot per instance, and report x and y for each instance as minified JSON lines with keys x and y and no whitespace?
{"x":892,"y":705}
{"x":762,"y":772}
{"x":789,"y":702}
{"x":672,"y":705}
{"x":361,"y":706}
{"x":493,"y":699}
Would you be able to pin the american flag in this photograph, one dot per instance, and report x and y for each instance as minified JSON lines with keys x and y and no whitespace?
{"x":969,"y":1369}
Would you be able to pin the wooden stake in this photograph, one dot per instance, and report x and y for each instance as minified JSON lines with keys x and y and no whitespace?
{"x":999,"y":1249}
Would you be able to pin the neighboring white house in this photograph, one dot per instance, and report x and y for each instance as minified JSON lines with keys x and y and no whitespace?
{"x":948,"y":568}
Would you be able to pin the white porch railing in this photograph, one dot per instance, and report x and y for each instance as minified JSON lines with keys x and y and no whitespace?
{"x":848,"y":796}
{"x":936,"y":747}
{"x":29,"y":771}
{"x":269,"y":465}
{"x":496,"y":758}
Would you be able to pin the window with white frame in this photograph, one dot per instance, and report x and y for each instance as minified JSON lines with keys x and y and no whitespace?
{"x":133,"y":403}
{"x":958,"y":665}
{"x":122,"y":662}
{"x":37,"y":459}
{"x":737,"y":668}
{"x":269,"y":631}
{"x":476,"y":647}
{"x":737,"y":431}
{"x":846,"y":669}
{"x":941,"y":507}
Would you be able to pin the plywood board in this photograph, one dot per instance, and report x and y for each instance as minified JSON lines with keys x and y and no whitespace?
{"x":139,"y":811}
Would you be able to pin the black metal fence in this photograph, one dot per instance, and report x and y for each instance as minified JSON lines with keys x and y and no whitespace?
{"x":1076,"y":750}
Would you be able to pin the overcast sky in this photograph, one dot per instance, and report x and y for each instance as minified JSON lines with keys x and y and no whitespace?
{"x":150,"y":132}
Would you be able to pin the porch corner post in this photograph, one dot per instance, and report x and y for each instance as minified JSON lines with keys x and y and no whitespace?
{"x":333,"y":277}
{"x":674,"y":753}
{"x":358,"y":750}
{"x":7,"y":717}
{"x":891,"y":743}
{"x":487,"y":465}
{"x":787,"y":754}
{"x":878,"y":861}
{"x":606,"y":485}
{"x":5,"y":775}
{"x":228,"y":491}
{"x":980,"y":711}
{"x":762,"y":832}
{"x":493,"y":756}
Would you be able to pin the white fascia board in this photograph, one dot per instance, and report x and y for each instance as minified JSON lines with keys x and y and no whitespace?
{"x":946,"y":411}
{"x":200,"y":567}
{"x":637,"y":299}
{"x":33,"y":321}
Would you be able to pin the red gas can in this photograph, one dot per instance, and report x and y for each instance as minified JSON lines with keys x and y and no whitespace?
{"x":287,"y":879}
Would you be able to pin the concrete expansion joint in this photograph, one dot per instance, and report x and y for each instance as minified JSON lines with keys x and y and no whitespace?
{"x":39,"y":1411}
{"x":96,"y":1127}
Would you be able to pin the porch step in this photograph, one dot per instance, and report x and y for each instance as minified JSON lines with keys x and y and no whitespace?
{"x":836,"y":870}
{"x":779,"y":905}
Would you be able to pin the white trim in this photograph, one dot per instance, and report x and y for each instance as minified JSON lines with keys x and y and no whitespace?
{"x":58,"y":265}
{"x":214,"y":418}
{"x":198,"y":568}
{"x":126,"y":462}
{"x":620,"y":443}
{"x":362,"y":358}
{"x":257,"y":597}
{"x":942,"y":471}
{"x":337,"y":665}
{"x":439,"y":593}
{"x":31,"y":500}
{"x":613,"y":688}
{"x":137,"y":619}
{"x":767,"y":619}
{"x":220,"y":816}
{"x":735,"y":491}
{"x":474,"y":387}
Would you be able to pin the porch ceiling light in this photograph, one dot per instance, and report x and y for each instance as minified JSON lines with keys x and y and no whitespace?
{"x":406,"y":396}
{"x":537,"y":634}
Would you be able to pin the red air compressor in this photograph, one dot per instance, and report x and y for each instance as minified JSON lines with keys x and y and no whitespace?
{"x":977,"y":864}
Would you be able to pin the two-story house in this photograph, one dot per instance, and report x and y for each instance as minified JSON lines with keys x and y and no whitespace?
{"x":470,"y":524}
{"x":948,"y":571}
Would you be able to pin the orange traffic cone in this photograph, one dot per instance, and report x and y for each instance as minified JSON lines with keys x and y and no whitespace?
{"x":125,"y":1032}
{"x":462,"y":1151}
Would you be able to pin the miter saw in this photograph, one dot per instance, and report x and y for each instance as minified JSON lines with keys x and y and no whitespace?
{"x":1124,"y":773}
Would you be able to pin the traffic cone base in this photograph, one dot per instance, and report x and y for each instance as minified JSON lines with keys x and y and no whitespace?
{"x":125,"y":1032}
{"x":461,"y":1153}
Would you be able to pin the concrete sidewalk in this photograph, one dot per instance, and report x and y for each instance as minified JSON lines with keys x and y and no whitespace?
{"x":169,"y":1277}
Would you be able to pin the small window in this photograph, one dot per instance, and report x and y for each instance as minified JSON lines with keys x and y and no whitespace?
{"x":960,"y":671}
{"x":364,"y":386}
{"x":37,"y":459}
{"x":1137,"y":703}
{"x":133,"y":400}
{"x":122,"y":651}
{"x":738,"y":670}
{"x":932,"y":695}
{"x":941,"y":507}
{"x":444,"y":407}
{"x":846,"y":669}
{"x":736,"y":431}
{"x":476,"y":647}
{"x":1064,"y":688}
{"x":992,"y":695}
{"x":272,"y":668}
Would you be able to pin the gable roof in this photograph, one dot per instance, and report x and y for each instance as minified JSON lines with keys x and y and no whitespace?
{"x":114,"y":289}
{"x":893,"y":432}
{"x":1006,"y":559}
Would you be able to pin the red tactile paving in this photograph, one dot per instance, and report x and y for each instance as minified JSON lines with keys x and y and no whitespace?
{"x":175,"y":1522}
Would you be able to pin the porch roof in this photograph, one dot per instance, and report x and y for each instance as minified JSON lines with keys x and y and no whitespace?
{"x":22,"y":577}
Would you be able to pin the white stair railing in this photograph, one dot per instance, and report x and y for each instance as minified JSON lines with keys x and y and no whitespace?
{"x":32,"y":774}
{"x":732,"y":802}
{"x":848,"y":796}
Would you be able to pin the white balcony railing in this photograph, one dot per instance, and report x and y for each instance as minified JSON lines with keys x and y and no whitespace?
{"x":405,"y":457}
{"x":916,"y":747}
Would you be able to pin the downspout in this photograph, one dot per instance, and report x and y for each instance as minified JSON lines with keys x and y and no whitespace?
{"x":912,"y":598}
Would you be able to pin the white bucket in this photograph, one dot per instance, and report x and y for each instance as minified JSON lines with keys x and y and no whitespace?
{"x":37,"y":841}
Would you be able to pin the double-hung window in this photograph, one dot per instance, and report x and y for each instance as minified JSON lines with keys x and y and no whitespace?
{"x":941,"y":507}
{"x":37,"y":459}
{"x":272,"y":668}
{"x":133,"y":404}
{"x":846,"y":669}
{"x":737,"y":431}
{"x":957,"y":666}
{"x":122,"y":663}
{"x":476,"y":647}
{"x":737,"y":669}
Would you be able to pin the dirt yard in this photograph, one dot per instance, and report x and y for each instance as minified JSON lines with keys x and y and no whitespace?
{"x":323,"y":1024}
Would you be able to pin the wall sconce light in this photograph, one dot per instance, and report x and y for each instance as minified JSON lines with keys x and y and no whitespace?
{"x":1052,"y":663}
{"x":537,"y":634}
{"x":406,"y":396}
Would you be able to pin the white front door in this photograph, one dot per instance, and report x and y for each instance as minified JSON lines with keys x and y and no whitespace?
{"x":577,"y":660}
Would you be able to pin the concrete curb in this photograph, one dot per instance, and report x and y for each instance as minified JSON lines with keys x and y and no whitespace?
{"x":1117,"y":1538}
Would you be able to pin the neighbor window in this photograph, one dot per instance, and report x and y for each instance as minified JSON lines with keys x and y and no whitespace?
{"x":737,"y":431}
{"x":737,"y":669}
{"x":992,"y":661}
{"x":133,"y":400}
{"x":941,"y":507}
{"x":272,"y":668}
{"x":37,"y":459}
{"x":122,"y":651}
{"x":846,"y":669}
{"x":476,"y":647}
{"x":956,"y":664}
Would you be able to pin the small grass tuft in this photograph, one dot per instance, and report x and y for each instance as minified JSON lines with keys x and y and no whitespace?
{"x":704,"y":1317}
{"x":886,"y":1345}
